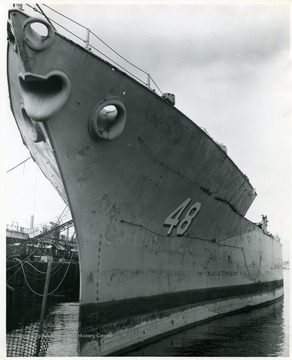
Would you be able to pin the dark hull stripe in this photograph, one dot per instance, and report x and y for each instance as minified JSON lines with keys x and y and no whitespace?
{"x":95,"y":315}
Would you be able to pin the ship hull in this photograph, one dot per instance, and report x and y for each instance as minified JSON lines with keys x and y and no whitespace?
{"x":158,"y":207}
{"x":125,"y":336}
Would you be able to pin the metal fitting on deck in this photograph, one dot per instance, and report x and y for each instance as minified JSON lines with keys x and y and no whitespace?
{"x":170,"y":98}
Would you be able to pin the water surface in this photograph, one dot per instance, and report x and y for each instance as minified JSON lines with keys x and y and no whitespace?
{"x":259,"y":332}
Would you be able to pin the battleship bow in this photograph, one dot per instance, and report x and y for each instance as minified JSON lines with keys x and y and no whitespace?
{"x":158,"y":206}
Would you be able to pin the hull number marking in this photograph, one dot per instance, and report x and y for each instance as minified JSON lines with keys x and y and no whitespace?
{"x":173,"y":220}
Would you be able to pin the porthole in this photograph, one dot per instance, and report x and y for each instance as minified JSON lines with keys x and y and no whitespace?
{"x":38,"y":34}
{"x":108,"y":119}
{"x":32,"y":128}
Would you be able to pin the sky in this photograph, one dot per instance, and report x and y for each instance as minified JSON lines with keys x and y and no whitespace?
{"x":229,"y":68}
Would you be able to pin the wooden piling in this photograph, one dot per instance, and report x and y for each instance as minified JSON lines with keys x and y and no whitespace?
{"x":44,"y":303}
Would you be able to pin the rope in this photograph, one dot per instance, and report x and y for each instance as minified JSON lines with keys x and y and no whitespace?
{"x":32,"y":276}
{"x":40,"y":277}
{"x":14,"y":274}
{"x":32,"y":252}
{"x":28,"y":256}
{"x":24,"y":261}
{"x":16,"y":166}
{"x":60,"y":264}
{"x":25,"y":278}
{"x":11,"y":267}
{"x":42,"y":272}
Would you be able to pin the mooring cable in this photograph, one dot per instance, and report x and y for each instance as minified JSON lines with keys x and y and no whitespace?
{"x":41,"y":295}
{"x":54,"y":271}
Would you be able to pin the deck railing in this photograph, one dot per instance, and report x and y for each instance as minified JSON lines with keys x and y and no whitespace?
{"x":87,"y":40}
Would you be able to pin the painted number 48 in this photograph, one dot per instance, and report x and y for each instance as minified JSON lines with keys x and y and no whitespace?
{"x":174,"y":219}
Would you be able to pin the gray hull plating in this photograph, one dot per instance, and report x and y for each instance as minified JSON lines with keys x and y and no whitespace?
{"x":158,"y":206}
